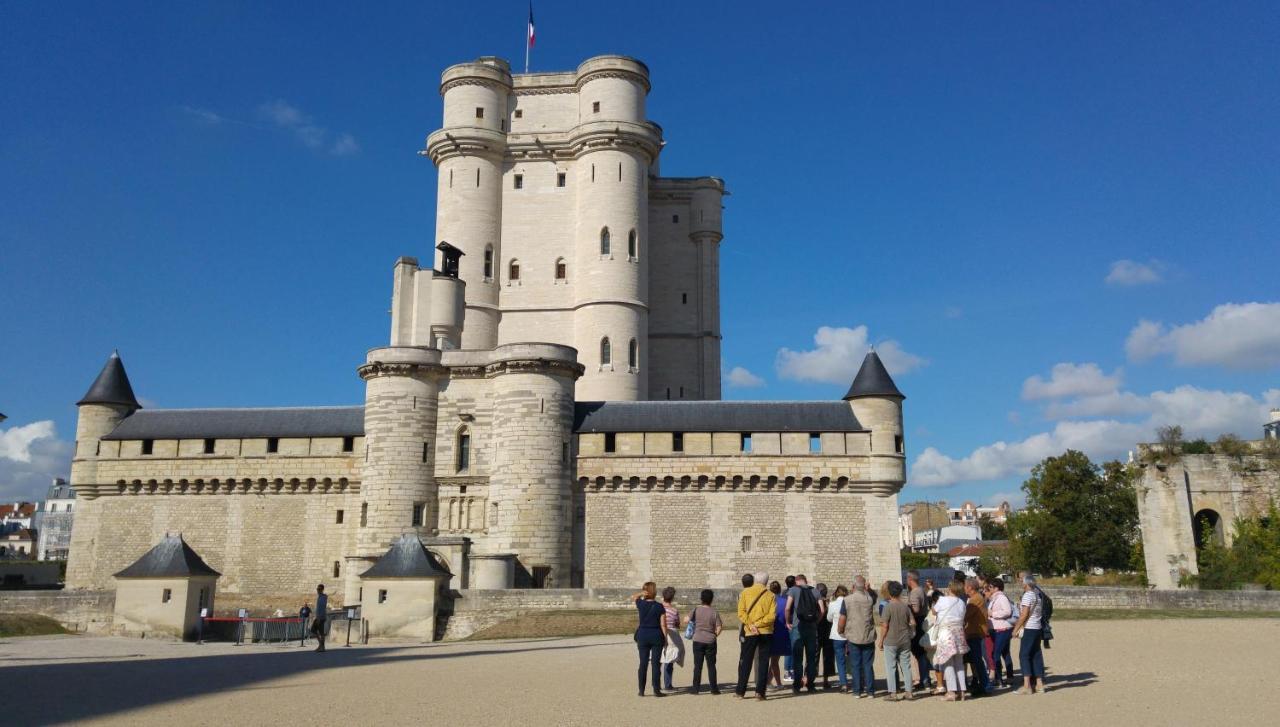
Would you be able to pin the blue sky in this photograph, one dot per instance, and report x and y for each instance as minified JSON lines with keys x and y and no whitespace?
{"x":1086,"y":193}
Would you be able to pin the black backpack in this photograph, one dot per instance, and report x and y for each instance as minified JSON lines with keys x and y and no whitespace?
{"x":1046,"y":613}
{"x":806,"y":606}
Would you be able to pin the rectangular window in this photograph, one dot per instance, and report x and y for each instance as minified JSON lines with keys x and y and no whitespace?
{"x":339,"y":517}
{"x":564,"y":453}
{"x":426,"y":450}
{"x":593,"y":172}
{"x":337,"y":569}
{"x":479,"y":112}
{"x":675,"y":219}
{"x":619,"y":171}
{"x":464,"y":451}
{"x":815,"y":443}
{"x":382,"y":595}
{"x":677,"y":442}
{"x":417,"y":515}
{"x":668,"y":393}
{"x":746,"y":443}
{"x":519,"y":113}
{"x":561,"y":179}
{"x":595,"y":107}
{"x":897,"y":443}
{"x":561,"y":271}
{"x":610,"y":442}
{"x":164,"y":597}
{"x":684,"y":299}
{"x":348,"y":444}
{"x":209,"y":445}
{"x":746,"y":543}
{"x":462,"y":489}
{"x":273,"y":445}
{"x":148,"y":445}
{"x":681,"y":392}
{"x":540,"y":574}
{"x":364,"y":514}
{"x":518,"y":181}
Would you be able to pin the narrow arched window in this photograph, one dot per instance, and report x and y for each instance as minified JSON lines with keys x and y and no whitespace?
{"x":633,"y":355}
{"x":463,"y":454}
{"x":606,"y":352}
{"x":633,"y":246}
{"x":513,"y":270}
{"x":488,"y":263}
{"x":604,"y":241}
{"x":562,"y":272}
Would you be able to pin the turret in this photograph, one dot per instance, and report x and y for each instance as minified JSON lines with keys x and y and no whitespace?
{"x":877,"y":404}
{"x":107,"y":402}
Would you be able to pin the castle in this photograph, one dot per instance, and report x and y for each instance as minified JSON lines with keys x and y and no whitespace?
{"x":547,"y":411}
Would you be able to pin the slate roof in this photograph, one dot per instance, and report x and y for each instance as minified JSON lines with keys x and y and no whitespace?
{"x":171,"y":558}
{"x":317,"y":421}
{"x":112,"y":386}
{"x":407,"y":558}
{"x":873,"y":379}
{"x":714,"y":416}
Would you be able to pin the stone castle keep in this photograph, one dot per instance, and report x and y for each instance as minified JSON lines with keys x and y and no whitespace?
{"x":546,"y":413}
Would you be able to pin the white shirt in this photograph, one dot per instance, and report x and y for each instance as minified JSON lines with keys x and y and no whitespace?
{"x":950,"y":610}
{"x":1031,"y":600}
{"x":833,"y":615}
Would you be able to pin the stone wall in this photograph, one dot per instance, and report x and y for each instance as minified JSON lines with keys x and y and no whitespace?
{"x":1151,"y":598}
{"x":79,"y":611}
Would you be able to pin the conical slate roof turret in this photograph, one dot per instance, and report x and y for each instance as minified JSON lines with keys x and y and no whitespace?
{"x":873,"y":379}
{"x":171,"y":558}
{"x":407,"y":558}
{"x":112,"y":386}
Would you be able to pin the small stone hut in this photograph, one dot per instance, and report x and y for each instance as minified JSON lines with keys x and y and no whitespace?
{"x":163,"y":592}
{"x":401,"y":591}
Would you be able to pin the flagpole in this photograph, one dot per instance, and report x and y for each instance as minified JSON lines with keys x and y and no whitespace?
{"x":527,"y":28}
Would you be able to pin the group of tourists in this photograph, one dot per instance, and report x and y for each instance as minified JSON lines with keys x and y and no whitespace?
{"x":959,"y":636}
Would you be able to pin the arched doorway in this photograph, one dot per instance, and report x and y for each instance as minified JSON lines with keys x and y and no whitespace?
{"x":1208,"y":523}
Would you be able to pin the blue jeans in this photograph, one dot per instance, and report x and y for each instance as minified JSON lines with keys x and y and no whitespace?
{"x":649,"y":643}
{"x":1031,"y":655}
{"x":977,"y":660}
{"x":1001,"y":654}
{"x":841,"y":650}
{"x":862,"y":664}
{"x":898,"y":661}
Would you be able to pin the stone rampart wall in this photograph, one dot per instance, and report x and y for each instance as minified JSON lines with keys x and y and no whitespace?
{"x":79,"y":611}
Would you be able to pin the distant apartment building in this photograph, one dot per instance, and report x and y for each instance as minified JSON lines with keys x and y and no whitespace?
{"x":53,"y":521}
{"x":20,"y":544}
{"x":934,"y":540}
{"x":916,"y":517}
{"x":16,"y":516}
{"x":970,"y":514}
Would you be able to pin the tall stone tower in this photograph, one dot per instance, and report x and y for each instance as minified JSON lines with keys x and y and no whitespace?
{"x":877,"y":404}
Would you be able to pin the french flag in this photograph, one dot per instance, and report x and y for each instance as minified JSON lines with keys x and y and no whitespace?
{"x":531,"y":34}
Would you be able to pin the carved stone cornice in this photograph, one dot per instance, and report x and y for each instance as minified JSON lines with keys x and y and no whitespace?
{"x":535,"y":366}
{"x":466,"y":372}
{"x":377,"y":369}
{"x":472,"y":81}
{"x":544,"y":90}
{"x":705,"y":483}
{"x":624,"y":74}
{"x":464,"y":141}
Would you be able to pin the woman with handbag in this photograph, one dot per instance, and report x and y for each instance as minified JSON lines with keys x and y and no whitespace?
{"x":673,"y":652}
{"x":702,"y":628}
{"x":947,"y":636}
{"x":650,"y":635}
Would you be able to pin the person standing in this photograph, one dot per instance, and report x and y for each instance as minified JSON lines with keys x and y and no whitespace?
{"x":673,"y":652}
{"x":860,"y":631}
{"x":975,"y":635}
{"x":897,"y":629}
{"x":835,"y":633}
{"x":780,"y":647}
{"x":803,"y":613}
{"x":706,"y":627}
{"x":951,"y":647}
{"x":756,"y":612}
{"x":918,"y":602}
{"x":1000,"y":613}
{"x":650,"y":636}
{"x":1030,"y":627}
{"x":304,"y":615}
{"x":788,"y":667}
{"x":826,"y":653}
{"x":322,"y":616}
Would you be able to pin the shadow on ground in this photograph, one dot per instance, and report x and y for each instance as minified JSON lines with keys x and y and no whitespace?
{"x":104,"y":688}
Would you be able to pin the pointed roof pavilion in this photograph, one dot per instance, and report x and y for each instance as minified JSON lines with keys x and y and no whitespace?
{"x":171,"y":558}
{"x":873,"y":379}
{"x":112,"y":386}
{"x":407,"y":558}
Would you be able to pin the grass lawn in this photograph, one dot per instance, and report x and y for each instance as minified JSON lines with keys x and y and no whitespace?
{"x":22,"y":624}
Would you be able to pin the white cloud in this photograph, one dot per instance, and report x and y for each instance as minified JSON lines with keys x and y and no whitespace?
{"x":1200,"y":412}
{"x":204,"y":115}
{"x":287,"y":116}
{"x":1235,"y":336}
{"x":1069,"y":379}
{"x":1110,"y":404}
{"x":838,"y":354}
{"x":31,"y":455}
{"x":346,"y":145}
{"x":740,"y":378}
{"x":1017,"y":500}
{"x":1128,"y":273}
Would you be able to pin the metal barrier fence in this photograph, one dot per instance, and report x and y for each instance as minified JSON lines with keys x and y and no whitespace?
{"x":345,"y":624}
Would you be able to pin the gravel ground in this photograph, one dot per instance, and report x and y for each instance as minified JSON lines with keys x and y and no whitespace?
{"x":1167,"y":672}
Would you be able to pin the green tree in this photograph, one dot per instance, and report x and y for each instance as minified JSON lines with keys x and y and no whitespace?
{"x":1078,"y":516}
{"x":992,"y":530}
{"x":1254,"y":556}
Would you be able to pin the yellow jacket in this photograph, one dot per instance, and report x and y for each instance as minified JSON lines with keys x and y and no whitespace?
{"x":762,"y":613}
